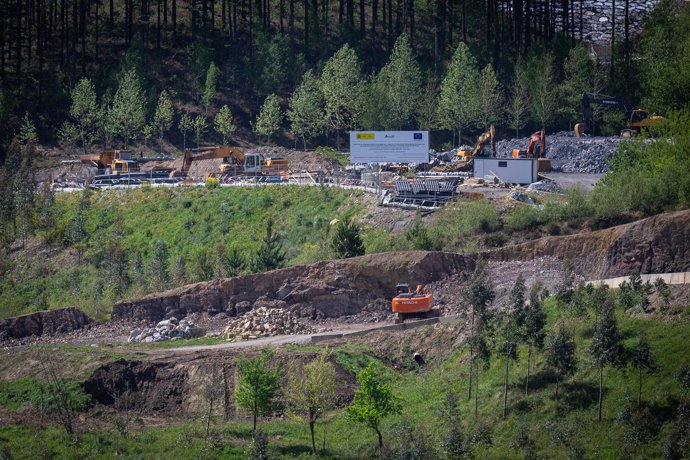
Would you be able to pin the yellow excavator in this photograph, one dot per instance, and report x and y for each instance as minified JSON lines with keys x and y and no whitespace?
{"x":485,"y":147}
{"x":635,"y":120}
{"x":235,"y":162}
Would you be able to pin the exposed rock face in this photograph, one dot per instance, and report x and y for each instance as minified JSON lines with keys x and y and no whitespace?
{"x":658,"y":244}
{"x":43,"y":322}
{"x":325,"y":289}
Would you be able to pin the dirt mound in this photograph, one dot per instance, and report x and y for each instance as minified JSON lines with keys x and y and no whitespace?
{"x":137,"y":385}
{"x":326,"y":289}
{"x":51,"y":322}
{"x":657,"y":244}
{"x":176,"y":386}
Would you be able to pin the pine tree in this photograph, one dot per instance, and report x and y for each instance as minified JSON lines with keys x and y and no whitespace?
{"x":84,"y":110}
{"x":306,"y":109}
{"x":479,"y":295}
{"x":163,"y":118}
{"x":270,"y":254}
{"x":534,"y":323}
{"x":210,"y":86}
{"x":159,"y":265}
{"x":606,"y":348}
{"x":200,"y":126}
{"x":342,"y":88}
{"x":458,"y":106}
{"x":185,"y":125}
{"x":224,"y":123}
{"x":544,"y":91}
{"x":490,"y":99}
{"x":582,"y":73}
{"x":401,"y":80}
{"x":513,"y":323}
{"x":518,"y":99}
{"x":643,"y":361}
{"x":347,"y":241}
{"x":270,"y":118}
{"x":561,"y":354}
{"x":129,"y":107}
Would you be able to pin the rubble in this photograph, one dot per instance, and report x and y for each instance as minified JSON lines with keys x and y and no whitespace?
{"x":169,"y":329}
{"x":265,"y":322}
{"x":545,"y":185}
{"x":568,"y":153}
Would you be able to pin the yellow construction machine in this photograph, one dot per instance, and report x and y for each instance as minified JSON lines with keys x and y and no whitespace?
{"x":485,"y":147}
{"x":635,"y":120}
{"x":235,"y":162}
{"x":112,"y":162}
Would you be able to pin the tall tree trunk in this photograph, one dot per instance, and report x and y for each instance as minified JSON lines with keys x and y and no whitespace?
{"x":505,"y":388}
{"x":341,"y":11}
{"x":412,"y":24}
{"x":378,"y":432}
{"x":528,"y":22}
{"x":390,"y":25}
{"x":529,"y":355}
{"x":282,"y":15}
{"x":306,"y":27}
{"x":112,"y":13}
{"x":639,"y":394}
{"x":601,"y":388}
{"x":291,"y":25}
{"x":374,"y":19}
{"x":476,"y":391}
{"x":158,"y":25}
{"x":174,"y":17}
{"x":311,"y":431}
{"x":361,"y":19}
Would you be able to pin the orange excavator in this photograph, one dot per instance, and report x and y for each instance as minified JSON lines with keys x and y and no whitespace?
{"x":536,"y":148}
{"x":408,"y":304}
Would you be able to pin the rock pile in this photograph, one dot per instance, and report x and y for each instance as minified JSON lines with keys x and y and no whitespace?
{"x":569,"y":153}
{"x":169,"y":329}
{"x":265,"y":322}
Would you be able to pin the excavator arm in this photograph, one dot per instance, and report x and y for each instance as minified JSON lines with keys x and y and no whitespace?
{"x":207,"y":153}
{"x":600,"y":99}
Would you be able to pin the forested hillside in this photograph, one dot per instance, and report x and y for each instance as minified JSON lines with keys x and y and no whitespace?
{"x":168,"y":73}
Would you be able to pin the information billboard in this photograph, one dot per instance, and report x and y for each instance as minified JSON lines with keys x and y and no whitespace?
{"x":389,"y":146}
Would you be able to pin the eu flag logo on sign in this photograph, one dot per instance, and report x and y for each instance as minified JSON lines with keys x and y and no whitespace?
{"x":418,"y":136}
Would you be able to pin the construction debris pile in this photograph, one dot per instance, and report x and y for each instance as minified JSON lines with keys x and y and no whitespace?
{"x":265,"y":322}
{"x":569,"y":153}
{"x":169,"y":329}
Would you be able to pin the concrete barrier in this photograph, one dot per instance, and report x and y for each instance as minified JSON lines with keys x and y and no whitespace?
{"x":669,"y":278}
{"x":388,"y":328}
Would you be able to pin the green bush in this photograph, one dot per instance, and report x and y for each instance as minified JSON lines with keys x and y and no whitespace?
{"x":452,"y":225}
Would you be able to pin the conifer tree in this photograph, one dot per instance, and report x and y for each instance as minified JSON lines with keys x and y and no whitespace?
{"x":458,"y":106}
{"x":209,"y":87}
{"x":200,"y":126}
{"x":490,"y":98}
{"x":224,"y":123}
{"x":185,"y":125}
{"x":342,"y":88}
{"x":606,"y":348}
{"x":543,"y":90}
{"x":347,"y":241}
{"x":270,"y":254}
{"x":479,"y":294}
{"x":306,"y":109}
{"x":517,"y":109}
{"x":401,"y":80}
{"x":270,"y":117}
{"x":643,"y":360}
{"x":159,"y":265}
{"x":84,"y":110}
{"x":163,"y":118}
{"x":129,"y":107}
{"x":533,"y":327}
{"x":561,"y":354}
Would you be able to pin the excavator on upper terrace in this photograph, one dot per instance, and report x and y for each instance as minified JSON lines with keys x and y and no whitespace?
{"x":635,"y":119}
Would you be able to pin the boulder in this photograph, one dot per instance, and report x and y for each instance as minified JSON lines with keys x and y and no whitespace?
{"x":50,"y":322}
